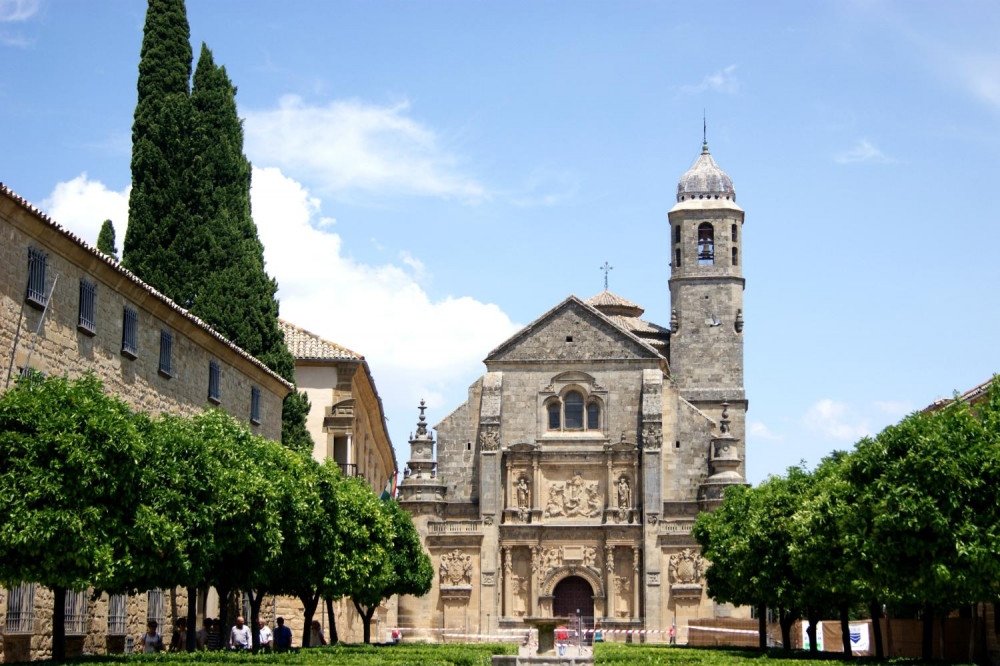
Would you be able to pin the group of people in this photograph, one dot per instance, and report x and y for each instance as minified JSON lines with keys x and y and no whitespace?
{"x":209,"y":636}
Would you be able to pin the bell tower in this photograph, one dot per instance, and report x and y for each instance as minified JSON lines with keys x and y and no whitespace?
{"x":706,"y":296}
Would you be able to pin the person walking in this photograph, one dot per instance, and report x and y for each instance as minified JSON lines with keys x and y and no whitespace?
{"x":151,"y":640}
{"x":265,"y":636}
{"x":239,"y":636}
{"x":282,"y":636}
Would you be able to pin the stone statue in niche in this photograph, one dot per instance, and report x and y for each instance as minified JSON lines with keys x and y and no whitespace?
{"x":523,"y":493}
{"x":686,"y":567}
{"x":590,"y":558}
{"x":519,"y":586}
{"x":624,"y":493}
{"x":455,"y":569}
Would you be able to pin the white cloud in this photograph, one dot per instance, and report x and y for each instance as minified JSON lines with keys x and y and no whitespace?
{"x":81,"y":205}
{"x":417,"y":347}
{"x":757,"y":430}
{"x":348,"y":146}
{"x":863,"y":151}
{"x":722,"y":81}
{"x":18,"y":10}
{"x":835,"y":420}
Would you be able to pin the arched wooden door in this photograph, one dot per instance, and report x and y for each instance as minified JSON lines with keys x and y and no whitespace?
{"x":573,"y":594}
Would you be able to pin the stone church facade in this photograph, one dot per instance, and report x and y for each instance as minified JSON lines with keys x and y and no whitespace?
{"x":569,"y":480}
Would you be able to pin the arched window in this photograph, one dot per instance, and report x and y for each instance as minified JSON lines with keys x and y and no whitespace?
{"x":593,"y":416}
{"x":706,"y":244}
{"x":734,"y":233}
{"x":573,"y":407}
{"x":554,"y":420}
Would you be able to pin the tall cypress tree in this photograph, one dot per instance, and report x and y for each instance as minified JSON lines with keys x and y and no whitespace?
{"x":159,"y":215}
{"x":106,"y":239}
{"x":191,"y":234}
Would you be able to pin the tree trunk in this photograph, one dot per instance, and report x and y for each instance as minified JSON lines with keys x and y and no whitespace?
{"x":256,"y":598}
{"x":762,"y":627}
{"x":192,"y":620}
{"x":787,"y":619}
{"x":944,"y":616}
{"x":309,"y":602}
{"x":972,"y":632}
{"x":223,"y":616}
{"x":58,"y":624}
{"x":845,"y":631}
{"x":927,"y":637}
{"x":889,"y":647}
{"x":334,"y":639}
{"x":812,"y":614}
{"x":366,"y":615}
{"x":875,"y":610}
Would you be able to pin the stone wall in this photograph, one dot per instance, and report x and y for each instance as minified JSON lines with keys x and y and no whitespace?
{"x":63,"y":348}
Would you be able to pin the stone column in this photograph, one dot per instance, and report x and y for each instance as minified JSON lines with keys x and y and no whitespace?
{"x":509,"y":492}
{"x":609,"y":565}
{"x":508,"y":599}
{"x":536,"y":567}
{"x":609,"y":486}
{"x":536,"y":483}
{"x":637,"y":581}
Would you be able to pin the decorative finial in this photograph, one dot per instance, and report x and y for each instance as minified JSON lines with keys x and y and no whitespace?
{"x":606,"y":268}
{"x":738,"y":325}
{"x":422,"y":423}
{"x":674,"y":322}
{"x":724,"y":421}
{"x":704,"y":133}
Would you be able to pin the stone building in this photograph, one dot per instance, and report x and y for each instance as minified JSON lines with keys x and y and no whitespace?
{"x":66,"y":308}
{"x":347,"y":424}
{"x":569,"y":480}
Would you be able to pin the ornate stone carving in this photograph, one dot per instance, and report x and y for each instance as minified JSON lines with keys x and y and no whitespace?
{"x":652,"y":435}
{"x":652,"y":578}
{"x":523,"y":491}
{"x":686,"y":567}
{"x":489,"y":438}
{"x":590,"y":558}
{"x":489,"y":578}
{"x":488,"y":520}
{"x":519,"y":588}
{"x":623,"y":584}
{"x":576,"y":497}
{"x":624,"y":493}
{"x":507,"y":561}
{"x":455,"y":569}
{"x":652,"y":518}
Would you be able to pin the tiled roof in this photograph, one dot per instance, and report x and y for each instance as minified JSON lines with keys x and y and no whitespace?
{"x":131,"y":277}
{"x":606,"y":298}
{"x":306,"y":346}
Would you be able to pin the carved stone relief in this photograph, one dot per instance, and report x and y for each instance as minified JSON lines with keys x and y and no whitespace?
{"x":519,"y":588}
{"x":489,"y":438}
{"x":489,"y":578}
{"x":652,"y":435}
{"x":455,"y":569}
{"x":653,"y":578}
{"x":574,"y":498}
{"x":686,"y":567}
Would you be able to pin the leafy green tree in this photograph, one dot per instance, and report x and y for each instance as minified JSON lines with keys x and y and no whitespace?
{"x":409,"y":568}
{"x":70,"y":483}
{"x":181,"y":483}
{"x":927,"y":486}
{"x":747,"y":540}
{"x":106,"y":239}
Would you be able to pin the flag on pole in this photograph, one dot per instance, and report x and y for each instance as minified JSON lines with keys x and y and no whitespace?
{"x":390,"y":488}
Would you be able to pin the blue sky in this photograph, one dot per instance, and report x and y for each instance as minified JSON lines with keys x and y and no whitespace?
{"x":429,"y":176}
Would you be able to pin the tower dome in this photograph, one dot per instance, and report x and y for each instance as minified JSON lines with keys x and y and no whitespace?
{"x":705,"y":180}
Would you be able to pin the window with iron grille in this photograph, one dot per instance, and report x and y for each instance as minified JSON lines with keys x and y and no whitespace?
{"x":214,"y":382}
{"x":156,"y":609}
{"x":21,"y":609}
{"x":117,"y":614}
{"x":87,"y":321}
{"x":255,"y":405}
{"x":76,"y":613}
{"x":130,"y":333}
{"x":166,"y":350}
{"x":37,"y":263}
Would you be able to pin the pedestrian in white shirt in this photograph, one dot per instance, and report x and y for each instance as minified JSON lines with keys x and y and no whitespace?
{"x":239,"y":636}
{"x":266,"y":637}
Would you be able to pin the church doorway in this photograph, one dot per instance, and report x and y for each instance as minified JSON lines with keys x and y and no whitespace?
{"x":573,"y":594}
